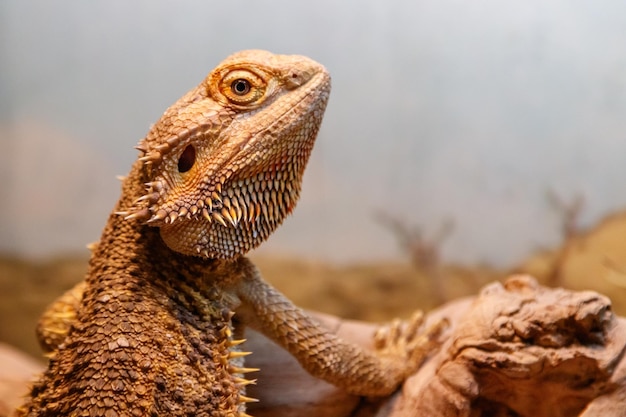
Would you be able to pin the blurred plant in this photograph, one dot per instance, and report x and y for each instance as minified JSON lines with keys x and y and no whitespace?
{"x":569,"y":213}
{"x":425,"y":254}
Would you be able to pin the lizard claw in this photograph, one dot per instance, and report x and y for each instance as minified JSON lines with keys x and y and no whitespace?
{"x":407,"y":342}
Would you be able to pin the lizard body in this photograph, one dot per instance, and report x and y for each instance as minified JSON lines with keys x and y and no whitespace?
{"x":152,"y":331}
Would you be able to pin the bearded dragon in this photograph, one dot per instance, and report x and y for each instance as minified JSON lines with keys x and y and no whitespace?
{"x":157,"y":325}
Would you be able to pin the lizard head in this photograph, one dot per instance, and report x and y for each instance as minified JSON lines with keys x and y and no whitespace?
{"x":224,"y":164}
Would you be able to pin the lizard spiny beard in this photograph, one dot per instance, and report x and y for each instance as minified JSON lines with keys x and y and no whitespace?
{"x":223,"y":170}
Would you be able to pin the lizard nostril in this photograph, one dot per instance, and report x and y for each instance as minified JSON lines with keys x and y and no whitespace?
{"x":187,"y":159}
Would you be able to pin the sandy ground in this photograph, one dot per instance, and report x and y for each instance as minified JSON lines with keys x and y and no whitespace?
{"x":373,"y":292}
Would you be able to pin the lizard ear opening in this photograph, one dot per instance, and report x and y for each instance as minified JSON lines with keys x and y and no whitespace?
{"x":187,"y":159}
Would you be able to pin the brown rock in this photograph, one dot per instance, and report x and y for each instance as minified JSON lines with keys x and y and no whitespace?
{"x":525,"y":350}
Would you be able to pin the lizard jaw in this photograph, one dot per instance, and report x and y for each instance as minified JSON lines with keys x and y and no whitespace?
{"x":236,"y":221}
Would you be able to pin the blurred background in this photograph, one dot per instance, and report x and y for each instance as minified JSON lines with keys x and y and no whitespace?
{"x":463,"y":141}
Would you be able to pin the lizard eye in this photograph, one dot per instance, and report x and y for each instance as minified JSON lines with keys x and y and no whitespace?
{"x":187,"y":159}
{"x":240,"y":87}
{"x":243,"y":88}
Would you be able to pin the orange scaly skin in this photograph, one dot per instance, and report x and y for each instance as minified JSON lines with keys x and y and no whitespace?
{"x":150,"y":330}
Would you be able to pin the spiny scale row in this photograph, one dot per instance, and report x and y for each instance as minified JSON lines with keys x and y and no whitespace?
{"x":236,"y":204}
{"x":237,"y":370}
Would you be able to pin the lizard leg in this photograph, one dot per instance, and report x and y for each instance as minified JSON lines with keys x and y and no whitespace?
{"x":56,"y":321}
{"x":400,"y":348}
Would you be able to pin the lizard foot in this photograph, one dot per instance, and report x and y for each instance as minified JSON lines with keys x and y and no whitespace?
{"x":407,"y":342}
